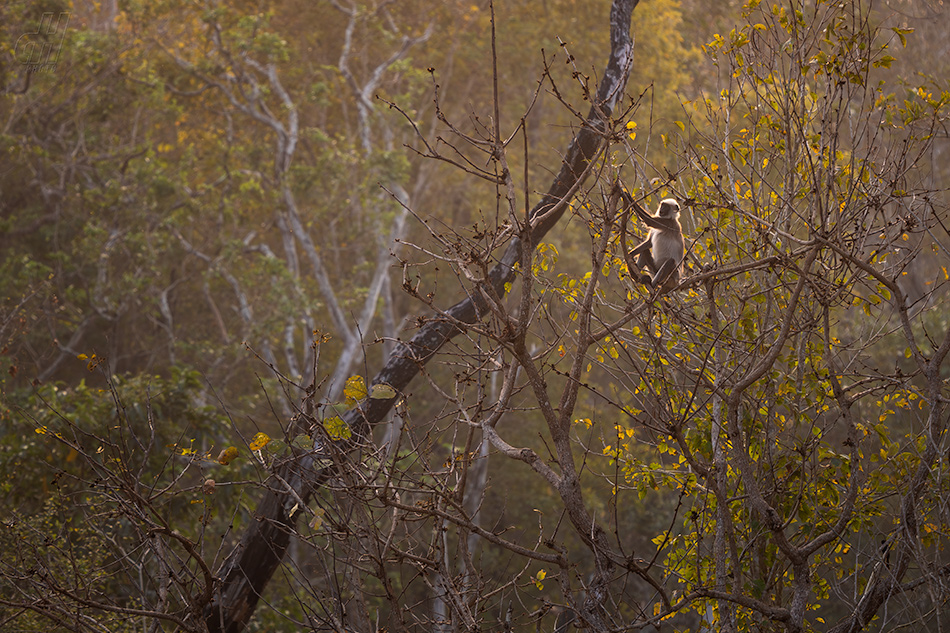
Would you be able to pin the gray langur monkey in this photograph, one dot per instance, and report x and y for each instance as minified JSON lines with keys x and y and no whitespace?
{"x":663,"y":251}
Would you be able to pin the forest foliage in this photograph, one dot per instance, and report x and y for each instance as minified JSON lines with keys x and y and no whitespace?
{"x":220,"y":219}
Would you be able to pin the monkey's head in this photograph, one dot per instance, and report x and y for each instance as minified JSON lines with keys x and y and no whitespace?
{"x":669,"y":208}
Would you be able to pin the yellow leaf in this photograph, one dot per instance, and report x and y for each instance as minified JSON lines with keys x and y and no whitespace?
{"x":260,"y":441}
{"x":317,"y":519}
{"x":228,"y":455}
{"x":93,"y":361}
{"x":538,"y":578}
{"x":337,"y":429}
{"x":355,"y":389}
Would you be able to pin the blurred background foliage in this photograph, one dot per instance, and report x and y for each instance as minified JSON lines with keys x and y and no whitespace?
{"x":153,"y":163}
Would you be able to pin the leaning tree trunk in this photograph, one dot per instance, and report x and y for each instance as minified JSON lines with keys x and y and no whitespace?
{"x":250,"y":566}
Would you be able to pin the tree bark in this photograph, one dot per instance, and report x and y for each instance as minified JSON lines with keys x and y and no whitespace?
{"x":250,"y":566}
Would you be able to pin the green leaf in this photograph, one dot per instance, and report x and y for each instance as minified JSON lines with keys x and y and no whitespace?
{"x":382,"y":391}
{"x":303,"y":441}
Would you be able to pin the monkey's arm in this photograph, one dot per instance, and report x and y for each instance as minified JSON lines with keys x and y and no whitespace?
{"x":664,"y":224}
{"x":643,"y":246}
{"x":650,"y":220}
{"x":631,"y":256}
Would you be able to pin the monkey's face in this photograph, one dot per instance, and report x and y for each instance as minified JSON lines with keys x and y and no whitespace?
{"x":669,"y":208}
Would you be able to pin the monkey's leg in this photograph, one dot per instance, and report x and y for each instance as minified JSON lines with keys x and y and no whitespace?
{"x":665,"y":272}
{"x":646,"y":261}
{"x":642,"y":255}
